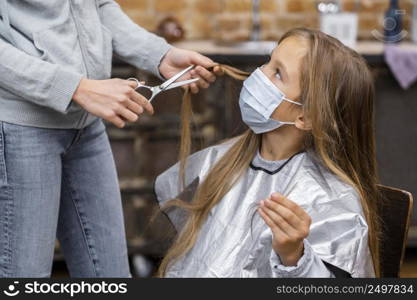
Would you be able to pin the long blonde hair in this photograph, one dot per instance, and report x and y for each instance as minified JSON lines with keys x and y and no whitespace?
{"x":337,"y":94}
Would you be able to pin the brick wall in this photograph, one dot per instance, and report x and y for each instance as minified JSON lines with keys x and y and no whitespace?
{"x":231,"y":19}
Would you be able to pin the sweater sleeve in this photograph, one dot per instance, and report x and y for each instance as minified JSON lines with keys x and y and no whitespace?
{"x":132,"y":43}
{"x":309,"y":265}
{"x":35,"y":80}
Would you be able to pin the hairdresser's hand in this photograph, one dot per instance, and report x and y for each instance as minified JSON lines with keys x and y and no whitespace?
{"x":289,"y":224}
{"x":178,"y":59}
{"x":114,"y":100}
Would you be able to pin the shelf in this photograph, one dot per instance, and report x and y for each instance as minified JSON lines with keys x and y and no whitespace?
{"x":210,"y":47}
{"x":255,"y":53}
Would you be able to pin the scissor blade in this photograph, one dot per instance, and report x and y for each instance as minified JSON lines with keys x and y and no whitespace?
{"x":181,"y":83}
{"x":175,"y":77}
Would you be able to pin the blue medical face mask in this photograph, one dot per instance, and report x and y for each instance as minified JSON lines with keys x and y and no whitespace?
{"x":258,"y":100}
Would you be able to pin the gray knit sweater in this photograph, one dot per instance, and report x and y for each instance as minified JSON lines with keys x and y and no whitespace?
{"x":46,"y":47}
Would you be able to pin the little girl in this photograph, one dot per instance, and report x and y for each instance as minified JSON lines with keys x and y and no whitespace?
{"x":295,"y":195}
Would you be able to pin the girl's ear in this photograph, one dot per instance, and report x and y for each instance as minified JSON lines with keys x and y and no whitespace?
{"x":302,"y":122}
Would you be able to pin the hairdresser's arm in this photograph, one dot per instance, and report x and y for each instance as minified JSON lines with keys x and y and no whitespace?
{"x":53,"y":86}
{"x":132,"y":43}
{"x":35,"y":80}
{"x":149,"y":52}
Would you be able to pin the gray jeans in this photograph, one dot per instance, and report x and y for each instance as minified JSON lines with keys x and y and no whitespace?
{"x":60,"y":183}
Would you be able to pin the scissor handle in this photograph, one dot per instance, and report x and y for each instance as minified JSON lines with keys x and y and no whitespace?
{"x":153,"y":91}
{"x":139,"y":85}
{"x":135,"y":80}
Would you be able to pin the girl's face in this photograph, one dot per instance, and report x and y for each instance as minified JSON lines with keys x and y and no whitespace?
{"x":284,"y":70}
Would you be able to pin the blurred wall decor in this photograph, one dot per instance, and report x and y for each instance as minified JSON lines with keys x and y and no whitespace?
{"x":233,"y":19}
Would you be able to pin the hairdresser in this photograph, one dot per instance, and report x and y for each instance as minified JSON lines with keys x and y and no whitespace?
{"x":57,"y":173}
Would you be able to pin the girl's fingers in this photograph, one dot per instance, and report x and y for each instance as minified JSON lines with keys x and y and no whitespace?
{"x":289,"y":216}
{"x":277,"y":231}
{"x":280,"y":221}
{"x":292,"y":206}
{"x":285,"y":202}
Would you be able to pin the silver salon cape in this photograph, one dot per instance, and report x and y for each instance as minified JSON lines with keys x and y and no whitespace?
{"x":236,"y":242}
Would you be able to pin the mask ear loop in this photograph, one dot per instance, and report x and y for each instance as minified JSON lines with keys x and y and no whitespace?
{"x":291,"y":101}
{"x":287,"y":123}
{"x":294,"y":102}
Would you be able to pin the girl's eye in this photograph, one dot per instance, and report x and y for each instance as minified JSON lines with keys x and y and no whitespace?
{"x":278,"y":75}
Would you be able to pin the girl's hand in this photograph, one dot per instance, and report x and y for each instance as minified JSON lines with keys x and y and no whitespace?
{"x":290,"y":225}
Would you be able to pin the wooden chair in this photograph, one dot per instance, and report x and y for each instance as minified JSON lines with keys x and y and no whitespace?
{"x":395,"y":213}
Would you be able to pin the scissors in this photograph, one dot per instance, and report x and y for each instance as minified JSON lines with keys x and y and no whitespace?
{"x":167,"y":85}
